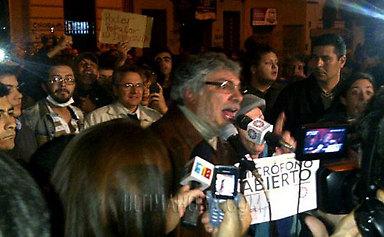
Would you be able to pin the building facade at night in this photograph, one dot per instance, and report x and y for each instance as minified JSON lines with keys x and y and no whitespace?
{"x":286,"y":25}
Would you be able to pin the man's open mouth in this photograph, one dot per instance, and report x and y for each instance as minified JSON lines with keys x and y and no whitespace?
{"x":229,"y":113}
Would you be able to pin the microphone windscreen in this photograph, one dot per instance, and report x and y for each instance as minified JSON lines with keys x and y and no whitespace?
{"x":228,"y":131}
{"x":242,"y":121}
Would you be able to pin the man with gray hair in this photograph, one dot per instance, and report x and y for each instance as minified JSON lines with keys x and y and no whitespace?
{"x":206,"y":89}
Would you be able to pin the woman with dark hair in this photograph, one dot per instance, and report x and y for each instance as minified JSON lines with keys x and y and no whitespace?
{"x":354,"y":94}
{"x":116,"y":186}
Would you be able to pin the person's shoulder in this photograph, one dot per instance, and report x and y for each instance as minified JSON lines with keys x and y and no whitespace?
{"x":296,"y":89}
{"x":150,"y":112}
{"x":33,"y":109}
{"x":299,"y":84}
{"x":31,"y":115}
{"x":96,"y":116}
{"x":99,"y":111}
{"x":78,"y":111}
{"x":169,"y":121}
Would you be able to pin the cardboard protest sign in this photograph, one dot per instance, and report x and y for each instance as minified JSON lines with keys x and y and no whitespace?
{"x":118,"y":26}
{"x":280,"y":178}
{"x":263,"y":16}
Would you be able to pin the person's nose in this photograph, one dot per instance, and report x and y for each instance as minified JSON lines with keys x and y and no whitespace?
{"x":62,"y":83}
{"x":134,"y":90}
{"x":10,"y":122}
{"x":18,"y":94}
{"x":364,"y":96}
{"x":319,"y":62}
{"x":236,"y":95}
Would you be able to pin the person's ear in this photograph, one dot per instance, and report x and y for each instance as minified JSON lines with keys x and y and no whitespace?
{"x":342,"y":61}
{"x":343,"y":100}
{"x":189,"y":96}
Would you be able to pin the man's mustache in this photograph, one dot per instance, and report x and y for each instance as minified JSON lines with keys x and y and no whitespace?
{"x":62,"y":90}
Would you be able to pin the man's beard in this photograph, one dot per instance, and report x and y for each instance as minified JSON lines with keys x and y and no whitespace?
{"x":62,"y":99}
{"x":88,"y":78}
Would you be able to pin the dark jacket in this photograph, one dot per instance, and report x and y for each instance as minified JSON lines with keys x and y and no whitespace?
{"x":302,"y":103}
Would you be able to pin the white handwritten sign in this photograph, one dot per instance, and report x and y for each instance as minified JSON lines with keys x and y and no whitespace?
{"x":118,"y":26}
{"x":281,"y":177}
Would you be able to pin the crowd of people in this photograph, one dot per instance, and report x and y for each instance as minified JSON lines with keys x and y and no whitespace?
{"x":106,"y":135}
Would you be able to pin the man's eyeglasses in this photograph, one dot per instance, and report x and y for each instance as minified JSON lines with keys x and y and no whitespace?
{"x":226,"y":87}
{"x":129,"y":86}
{"x":70,"y":80}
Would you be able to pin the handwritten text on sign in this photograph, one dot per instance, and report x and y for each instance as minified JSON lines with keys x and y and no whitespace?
{"x":118,"y":26}
{"x":281,"y":177}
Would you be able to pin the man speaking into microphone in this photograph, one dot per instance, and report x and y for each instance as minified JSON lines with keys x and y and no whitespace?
{"x":206,"y":95}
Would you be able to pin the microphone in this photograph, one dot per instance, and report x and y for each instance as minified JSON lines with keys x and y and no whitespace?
{"x":198,"y":174}
{"x":259,"y":131}
{"x":198,"y":171}
{"x":230,"y":134}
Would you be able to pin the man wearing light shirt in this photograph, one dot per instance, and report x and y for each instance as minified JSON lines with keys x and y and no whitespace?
{"x":55,"y":115}
{"x":128,"y":87}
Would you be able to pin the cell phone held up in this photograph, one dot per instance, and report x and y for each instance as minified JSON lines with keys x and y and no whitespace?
{"x":223,"y":187}
{"x":154,"y":88}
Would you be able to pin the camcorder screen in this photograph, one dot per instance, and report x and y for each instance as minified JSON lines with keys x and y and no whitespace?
{"x":322,"y":142}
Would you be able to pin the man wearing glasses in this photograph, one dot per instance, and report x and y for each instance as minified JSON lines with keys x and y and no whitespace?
{"x":128,"y":88}
{"x":55,"y":116}
{"x":206,"y":90}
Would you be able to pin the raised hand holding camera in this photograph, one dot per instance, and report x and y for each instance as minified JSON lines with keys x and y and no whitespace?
{"x":224,"y":187}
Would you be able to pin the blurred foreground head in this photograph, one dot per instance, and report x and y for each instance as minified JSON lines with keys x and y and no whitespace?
{"x":112,"y":180}
{"x":372,"y":134}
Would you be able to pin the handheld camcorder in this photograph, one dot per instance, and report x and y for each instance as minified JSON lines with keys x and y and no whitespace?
{"x":342,"y":187}
{"x":337,"y":176}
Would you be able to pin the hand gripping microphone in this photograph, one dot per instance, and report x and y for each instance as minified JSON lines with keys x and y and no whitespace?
{"x":198,"y":174}
{"x":259,"y":131}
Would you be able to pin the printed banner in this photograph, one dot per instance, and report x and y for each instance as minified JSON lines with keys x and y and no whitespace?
{"x":118,"y":26}
{"x":280,"y":179}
